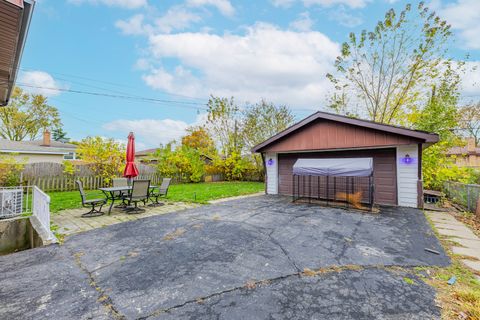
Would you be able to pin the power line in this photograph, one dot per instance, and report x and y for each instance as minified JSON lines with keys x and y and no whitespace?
{"x":110,"y":83}
{"x":184,"y":104}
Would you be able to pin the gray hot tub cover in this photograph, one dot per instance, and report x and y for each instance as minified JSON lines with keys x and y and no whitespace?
{"x":340,"y":167}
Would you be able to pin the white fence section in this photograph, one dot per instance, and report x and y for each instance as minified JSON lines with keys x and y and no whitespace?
{"x":41,"y":210}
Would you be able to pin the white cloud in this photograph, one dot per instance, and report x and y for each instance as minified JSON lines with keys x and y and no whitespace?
{"x":224,"y":6}
{"x":176,"y":18}
{"x":152,"y":132}
{"x":464,"y":16}
{"x":470,"y":88}
{"x":283,"y":66}
{"x":303,"y":23}
{"x":283,"y":3}
{"x":132,"y":26}
{"x":128,"y":4}
{"x":343,"y":17}
{"x":38,"y":81}
{"x":330,"y":3}
{"x":323,"y":3}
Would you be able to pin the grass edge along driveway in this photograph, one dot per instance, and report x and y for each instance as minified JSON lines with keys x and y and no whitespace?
{"x":186,"y":192}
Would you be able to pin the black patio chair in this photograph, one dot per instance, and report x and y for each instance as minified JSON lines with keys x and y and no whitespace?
{"x":90,"y":203}
{"x":162,"y":192}
{"x":139,"y":193}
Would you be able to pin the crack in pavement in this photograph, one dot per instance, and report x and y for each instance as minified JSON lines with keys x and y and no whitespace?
{"x":105,"y":300}
{"x":269,"y":235}
{"x":251,"y":285}
{"x":216,"y":294}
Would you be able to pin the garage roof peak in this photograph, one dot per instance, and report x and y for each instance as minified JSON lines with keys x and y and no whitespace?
{"x":422,"y":136}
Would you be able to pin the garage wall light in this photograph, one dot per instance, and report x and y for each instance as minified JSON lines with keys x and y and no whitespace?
{"x":270,"y":162}
{"x":407,"y":159}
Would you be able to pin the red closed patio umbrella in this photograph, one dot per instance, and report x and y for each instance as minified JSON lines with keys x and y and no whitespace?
{"x":131,"y":170}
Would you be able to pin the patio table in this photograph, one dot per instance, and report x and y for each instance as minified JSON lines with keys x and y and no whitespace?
{"x":110,"y":193}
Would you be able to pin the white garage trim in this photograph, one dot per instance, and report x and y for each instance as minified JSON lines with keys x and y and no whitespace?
{"x":407,"y":175}
{"x":271,"y":163}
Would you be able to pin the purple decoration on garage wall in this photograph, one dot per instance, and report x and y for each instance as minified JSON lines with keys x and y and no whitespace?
{"x":407,"y":160}
{"x":270,"y":162}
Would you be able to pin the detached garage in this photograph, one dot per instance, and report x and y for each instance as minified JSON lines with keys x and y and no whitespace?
{"x":396,"y":153}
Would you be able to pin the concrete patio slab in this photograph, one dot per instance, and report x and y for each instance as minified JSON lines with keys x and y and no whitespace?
{"x":145,"y":267}
{"x":71,"y":221}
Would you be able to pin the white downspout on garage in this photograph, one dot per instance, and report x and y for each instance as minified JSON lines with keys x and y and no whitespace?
{"x":407,"y":175}
{"x":271,"y":165}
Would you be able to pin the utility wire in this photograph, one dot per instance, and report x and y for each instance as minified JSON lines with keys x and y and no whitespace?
{"x":185,"y":104}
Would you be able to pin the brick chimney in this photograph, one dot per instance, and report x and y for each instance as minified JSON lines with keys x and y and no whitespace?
{"x":471,"y":145}
{"x":46,"y":138}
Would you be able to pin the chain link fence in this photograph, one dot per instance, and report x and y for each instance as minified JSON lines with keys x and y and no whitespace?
{"x":466,"y":195}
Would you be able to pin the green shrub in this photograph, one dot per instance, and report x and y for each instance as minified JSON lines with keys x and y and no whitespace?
{"x":10,"y":170}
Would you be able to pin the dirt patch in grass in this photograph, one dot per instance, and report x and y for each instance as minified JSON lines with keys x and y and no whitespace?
{"x":174,"y":234}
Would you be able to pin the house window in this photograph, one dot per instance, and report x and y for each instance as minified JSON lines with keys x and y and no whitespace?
{"x":69,"y":156}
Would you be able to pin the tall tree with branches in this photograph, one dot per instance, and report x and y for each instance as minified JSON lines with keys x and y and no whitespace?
{"x":381,"y":73}
{"x":470,"y":121}
{"x":26,"y":116}
{"x":223,"y":123}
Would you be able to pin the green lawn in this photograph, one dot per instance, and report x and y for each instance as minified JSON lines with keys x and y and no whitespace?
{"x":191,"y":192}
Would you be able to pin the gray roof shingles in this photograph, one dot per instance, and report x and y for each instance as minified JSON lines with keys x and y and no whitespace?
{"x":35,"y":146}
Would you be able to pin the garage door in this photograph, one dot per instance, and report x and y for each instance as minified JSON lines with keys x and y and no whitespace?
{"x":384,"y":170}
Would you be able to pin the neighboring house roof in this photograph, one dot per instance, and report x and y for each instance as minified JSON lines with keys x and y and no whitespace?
{"x":8,"y":146}
{"x":145,"y":152}
{"x":15,"y":17}
{"x":54,"y":144}
{"x":425,"y":137}
{"x":462,"y":150}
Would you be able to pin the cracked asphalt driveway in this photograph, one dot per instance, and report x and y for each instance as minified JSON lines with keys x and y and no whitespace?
{"x":240,"y":259}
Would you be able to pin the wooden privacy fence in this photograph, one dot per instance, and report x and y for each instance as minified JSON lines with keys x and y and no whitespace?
{"x":67,"y":183}
{"x":51,"y":169}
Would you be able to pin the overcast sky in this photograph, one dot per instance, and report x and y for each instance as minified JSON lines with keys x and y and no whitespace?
{"x":180,"y":52}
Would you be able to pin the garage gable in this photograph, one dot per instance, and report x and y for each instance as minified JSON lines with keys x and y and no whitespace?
{"x":326,"y":131}
{"x":328,"y":135}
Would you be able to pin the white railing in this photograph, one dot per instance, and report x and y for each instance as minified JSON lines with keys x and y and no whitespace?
{"x":41,"y":210}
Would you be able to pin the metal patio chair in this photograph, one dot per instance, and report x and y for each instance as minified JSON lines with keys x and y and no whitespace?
{"x":162,"y":192}
{"x":139,"y":193}
{"x":120,"y":195}
{"x":90,"y":203}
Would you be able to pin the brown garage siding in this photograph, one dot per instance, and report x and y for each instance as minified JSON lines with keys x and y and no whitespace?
{"x":384,"y":167}
{"x":324,"y":135}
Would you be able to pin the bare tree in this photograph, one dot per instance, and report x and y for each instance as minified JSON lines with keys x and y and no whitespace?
{"x":470,"y":121}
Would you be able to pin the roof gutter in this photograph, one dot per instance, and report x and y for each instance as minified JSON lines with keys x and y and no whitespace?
{"x":27,"y":12}
{"x":32,"y":152}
